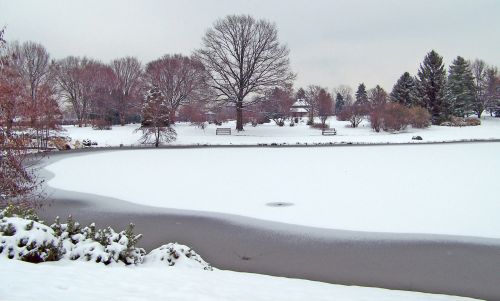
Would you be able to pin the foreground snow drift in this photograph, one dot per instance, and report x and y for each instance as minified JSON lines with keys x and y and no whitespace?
{"x":437,"y":189}
{"x":87,"y":281}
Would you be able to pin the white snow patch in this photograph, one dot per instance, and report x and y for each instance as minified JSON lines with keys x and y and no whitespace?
{"x":81,"y":281}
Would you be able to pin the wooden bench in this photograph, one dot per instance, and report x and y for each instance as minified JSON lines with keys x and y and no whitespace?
{"x":223,"y":131}
{"x":329,"y":132}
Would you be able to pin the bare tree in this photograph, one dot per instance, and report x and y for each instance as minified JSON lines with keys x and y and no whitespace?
{"x":325,"y":106}
{"x":128,"y":72}
{"x":180,"y":79}
{"x":346,"y":93}
{"x":354,"y":113}
{"x":32,"y":61}
{"x":16,"y":180}
{"x":68,"y":73}
{"x":480,"y":73}
{"x":312,"y":99}
{"x":83,"y":82}
{"x":243,"y":56}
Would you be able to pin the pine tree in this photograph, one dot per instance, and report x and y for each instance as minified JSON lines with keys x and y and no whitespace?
{"x":460,"y":87}
{"x":301,"y":94}
{"x":339,"y":103}
{"x":493,"y":91}
{"x":361,"y":95}
{"x":378,"y":96}
{"x":405,"y":91}
{"x":432,"y":87}
{"x":156,"y":123}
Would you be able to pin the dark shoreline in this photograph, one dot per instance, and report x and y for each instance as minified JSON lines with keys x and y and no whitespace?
{"x":453,"y":265}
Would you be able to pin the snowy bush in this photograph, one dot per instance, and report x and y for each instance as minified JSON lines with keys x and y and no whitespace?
{"x":175,"y":254}
{"x":101,"y":246}
{"x":24,"y":237}
{"x":28,"y":240}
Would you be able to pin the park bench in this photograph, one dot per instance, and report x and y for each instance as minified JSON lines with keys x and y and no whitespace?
{"x":329,"y":132}
{"x":223,"y":131}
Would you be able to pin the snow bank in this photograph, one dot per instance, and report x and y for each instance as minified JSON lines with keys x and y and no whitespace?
{"x":178,"y":255}
{"x":82,"y":281}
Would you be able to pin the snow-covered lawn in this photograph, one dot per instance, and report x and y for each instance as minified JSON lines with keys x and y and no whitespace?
{"x":270,"y":133}
{"x":89,"y":281}
{"x":438,"y":189}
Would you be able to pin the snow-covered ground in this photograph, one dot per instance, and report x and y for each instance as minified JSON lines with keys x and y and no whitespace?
{"x":89,"y":281}
{"x":437,"y":189}
{"x":301,"y":133}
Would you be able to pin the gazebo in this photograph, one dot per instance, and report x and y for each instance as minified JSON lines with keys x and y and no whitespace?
{"x":299,"y":109}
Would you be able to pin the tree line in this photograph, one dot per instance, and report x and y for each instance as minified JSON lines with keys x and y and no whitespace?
{"x":241,"y":72}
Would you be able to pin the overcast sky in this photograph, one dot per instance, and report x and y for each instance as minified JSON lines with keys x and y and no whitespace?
{"x":332,"y":42}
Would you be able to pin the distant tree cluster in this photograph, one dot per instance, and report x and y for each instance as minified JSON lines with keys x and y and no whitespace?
{"x":433,"y":96}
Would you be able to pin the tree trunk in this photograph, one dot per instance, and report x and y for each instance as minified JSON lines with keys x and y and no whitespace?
{"x":239,"y":115}
{"x":122,"y":119}
{"x":157,"y":138}
{"x":171,"y":117}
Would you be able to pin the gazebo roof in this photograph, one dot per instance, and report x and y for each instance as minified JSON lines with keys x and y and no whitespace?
{"x":300,"y":103}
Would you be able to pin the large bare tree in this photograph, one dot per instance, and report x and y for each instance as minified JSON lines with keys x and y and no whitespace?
{"x":32,"y":61}
{"x":242,"y":57}
{"x":128,"y":72}
{"x":83,"y":82}
{"x":480,"y":72}
{"x":180,"y":79}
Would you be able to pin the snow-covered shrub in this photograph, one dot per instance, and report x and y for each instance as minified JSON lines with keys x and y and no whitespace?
{"x":23,"y":210}
{"x":97,"y":245}
{"x":175,"y":254}
{"x":28,"y":240}
{"x":24,"y":237}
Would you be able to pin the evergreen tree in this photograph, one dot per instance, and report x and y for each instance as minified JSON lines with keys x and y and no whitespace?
{"x":432,"y":87}
{"x":378,"y":96}
{"x":405,"y":91}
{"x":156,"y":123}
{"x":301,"y":94}
{"x":339,"y":103}
{"x":361,"y":95}
{"x":493,"y":91}
{"x":460,"y":87}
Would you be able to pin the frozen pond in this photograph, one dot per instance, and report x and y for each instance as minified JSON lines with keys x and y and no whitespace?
{"x":431,"y":189}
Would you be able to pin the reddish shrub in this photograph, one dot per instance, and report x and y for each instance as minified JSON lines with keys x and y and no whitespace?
{"x":396,"y":117}
{"x":420,"y":117}
{"x":472,"y":121}
{"x":353,"y":113}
